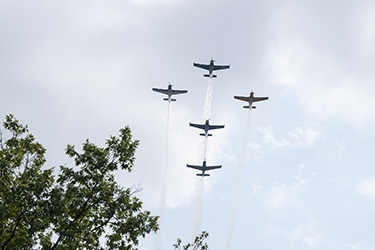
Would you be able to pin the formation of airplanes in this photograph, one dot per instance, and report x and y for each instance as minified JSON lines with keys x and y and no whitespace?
{"x":211,"y":67}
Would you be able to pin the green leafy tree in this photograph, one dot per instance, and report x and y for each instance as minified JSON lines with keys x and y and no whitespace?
{"x":198,"y":243}
{"x":24,"y":187}
{"x":80,"y":208}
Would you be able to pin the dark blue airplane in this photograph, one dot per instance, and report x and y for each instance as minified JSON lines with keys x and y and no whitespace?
{"x":169,"y":92}
{"x":206,"y":127}
{"x":211,"y":68}
{"x":203,"y":168}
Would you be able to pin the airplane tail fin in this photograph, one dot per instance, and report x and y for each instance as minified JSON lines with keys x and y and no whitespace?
{"x":205,"y":134}
{"x":203,"y":175}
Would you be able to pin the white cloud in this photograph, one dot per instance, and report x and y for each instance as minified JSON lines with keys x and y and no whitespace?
{"x":330,"y":80}
{"x":270,"y":140}
{"x":305,"y":236}
{"x":367,"y":188}
{"x":98,"y":16}
{"x":339,"y":150}
{"x":358,"y":246}
{"x":310,"y":237}
{"x":367,"y":31}
{"x":296,"y":138}
{"x":282,"y":194}
{"x":256,"y":189}
{"x":303,"y":138}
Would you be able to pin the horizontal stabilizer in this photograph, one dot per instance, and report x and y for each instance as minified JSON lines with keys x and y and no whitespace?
{"x":253,"y":107}
{"x":166,"y":99}
{"x":205,"y":134}
{"x":213,"y":76}
{"x":203,"y":175}
{"x":245,"y":107}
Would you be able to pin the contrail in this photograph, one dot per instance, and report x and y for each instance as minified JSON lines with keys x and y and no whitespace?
{"x":199,"y":186}
{"x":199,"y":189}
{"x":236,"y":187}
{"x":207,"y":104}
{"x":163,"y":192}
{"x":207,"y":112}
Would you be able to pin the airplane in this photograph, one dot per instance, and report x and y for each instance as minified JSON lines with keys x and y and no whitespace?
{"x":206,"y":127}
{"x":250,"y":100}
{"x":203,"y":168}
{"x":211,"y":67}
{"x":169,"y":92}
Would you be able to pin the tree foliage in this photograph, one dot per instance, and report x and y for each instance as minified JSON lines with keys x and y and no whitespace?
{"x":198,"y":243}
{"x":80,"y":208}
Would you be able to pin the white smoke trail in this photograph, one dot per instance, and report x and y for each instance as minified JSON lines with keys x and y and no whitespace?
{"x":207,"y":104}
{"x":199,"y":186}
{"x":207,"y":112}
{"x":163,"y":192}
{"x":199,"y":189}
{"x":236,"y":187}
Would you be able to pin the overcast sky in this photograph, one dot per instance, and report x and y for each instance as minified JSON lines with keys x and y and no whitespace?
{"x":78,"y":69}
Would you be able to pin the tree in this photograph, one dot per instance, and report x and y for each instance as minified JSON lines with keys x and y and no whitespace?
{"x":24,"y":187}
{"x":78,"y":208}
{"x":198,"y":243}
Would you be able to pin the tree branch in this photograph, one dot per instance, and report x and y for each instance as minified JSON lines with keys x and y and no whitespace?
{"x":14,"y":229}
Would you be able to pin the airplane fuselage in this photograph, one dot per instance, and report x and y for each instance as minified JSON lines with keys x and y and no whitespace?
{"x":251,"y":99}
{"x":211,"y":70}
{"x":169,"y":92}
{"x":206,"y":128}
{"x":204,"y":167}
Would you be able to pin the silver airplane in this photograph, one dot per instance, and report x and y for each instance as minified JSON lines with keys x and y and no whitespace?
{"x":250,"y":100}
{"x":206,"y":127}
{"x":211,"y":67}
{"x":203,"y":168}
{"x":169,"y":92}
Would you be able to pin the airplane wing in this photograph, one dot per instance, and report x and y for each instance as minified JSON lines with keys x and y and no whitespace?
{"x":176,"y":92}
{"x":215,"y":127}
{"x":258,"y":99}
{"x":202,"y":66}
{"x":242,"y":98}
{"x":219,"y":67}
{"x":201,"y":126}
{"x":163,"y":91}
{"x":195,"y":167}
{"x":212,"y":167}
